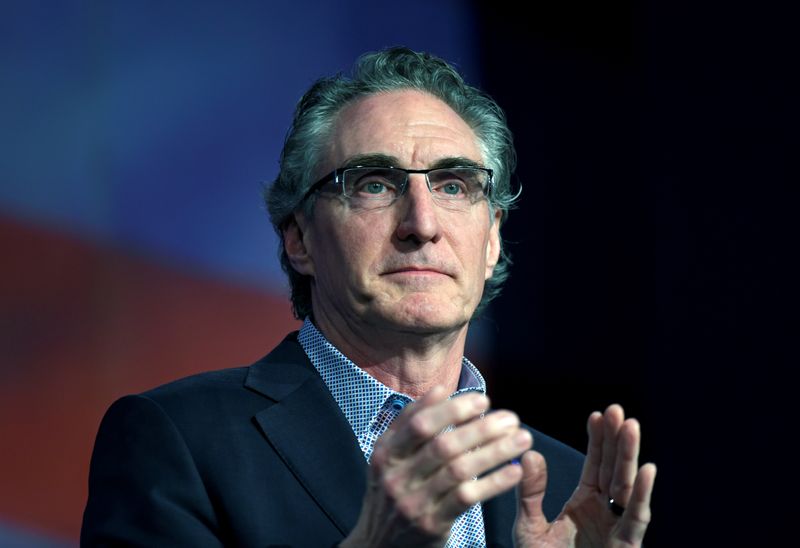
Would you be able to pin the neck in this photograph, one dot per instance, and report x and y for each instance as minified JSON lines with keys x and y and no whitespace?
{"x":406,"y":361}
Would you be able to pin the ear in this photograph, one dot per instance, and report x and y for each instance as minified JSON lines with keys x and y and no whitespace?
{"x":294,"y":242}
{"x":493,"y":245}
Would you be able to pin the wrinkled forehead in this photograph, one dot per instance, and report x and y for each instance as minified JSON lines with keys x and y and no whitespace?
{"x":417,"y":128}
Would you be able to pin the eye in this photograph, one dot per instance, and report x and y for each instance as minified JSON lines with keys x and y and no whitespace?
{"x":450,"y":186}
{"x":373,"y":187}
{"x":370,"y":183}
{"x":452,"y":189}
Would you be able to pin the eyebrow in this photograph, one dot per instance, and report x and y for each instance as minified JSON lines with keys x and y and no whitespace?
{"x":376,"y":160}
{"x":386,"y":160}
{"x":456,"y":161}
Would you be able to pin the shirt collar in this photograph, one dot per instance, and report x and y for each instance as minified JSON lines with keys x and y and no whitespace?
{"x":359,"y":395}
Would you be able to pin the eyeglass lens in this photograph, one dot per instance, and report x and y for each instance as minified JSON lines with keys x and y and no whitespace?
{"x":454,"y":187}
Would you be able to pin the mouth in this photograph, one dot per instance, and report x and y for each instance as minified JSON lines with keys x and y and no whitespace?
{"x":417,"y":271}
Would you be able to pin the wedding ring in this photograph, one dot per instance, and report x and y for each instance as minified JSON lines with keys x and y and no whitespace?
{"x":615,"y":508}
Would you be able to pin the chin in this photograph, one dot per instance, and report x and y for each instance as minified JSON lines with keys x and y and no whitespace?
{"x":428,"y":315}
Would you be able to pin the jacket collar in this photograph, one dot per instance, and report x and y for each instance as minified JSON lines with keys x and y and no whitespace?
{"x":309,"y":432}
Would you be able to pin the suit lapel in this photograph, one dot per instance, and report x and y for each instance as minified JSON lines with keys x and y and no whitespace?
{"x":498,"y":519}
{"x":309,"y":432}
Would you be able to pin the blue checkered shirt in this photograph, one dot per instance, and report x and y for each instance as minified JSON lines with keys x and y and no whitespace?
{"x":370,"y":406}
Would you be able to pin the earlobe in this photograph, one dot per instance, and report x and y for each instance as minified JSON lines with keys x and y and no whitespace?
{"x":294,"y":242}
{"x":493,"y":245}
{"x":492,"y":257}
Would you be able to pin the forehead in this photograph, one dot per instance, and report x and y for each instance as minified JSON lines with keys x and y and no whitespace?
{"x":416,"y":128}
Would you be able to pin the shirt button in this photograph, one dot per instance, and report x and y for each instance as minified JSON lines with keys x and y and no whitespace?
{"x":398,"y":404}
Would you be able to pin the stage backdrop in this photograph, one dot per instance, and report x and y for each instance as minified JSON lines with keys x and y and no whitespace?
{"x":136,"y":138}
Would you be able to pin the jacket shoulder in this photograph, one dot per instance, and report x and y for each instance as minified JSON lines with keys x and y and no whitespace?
{"x":211,"y":387}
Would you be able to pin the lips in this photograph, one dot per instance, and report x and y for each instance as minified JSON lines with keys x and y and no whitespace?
{"x":417,"y":262}
{"x":417,"y":268}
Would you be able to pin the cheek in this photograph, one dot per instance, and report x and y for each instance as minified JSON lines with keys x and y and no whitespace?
{"x":348,"y":252}
{"x":472,"y":259}
{"x":473,"y":246}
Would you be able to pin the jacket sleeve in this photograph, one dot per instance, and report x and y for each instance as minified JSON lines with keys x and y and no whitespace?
{"x":144,"y":487}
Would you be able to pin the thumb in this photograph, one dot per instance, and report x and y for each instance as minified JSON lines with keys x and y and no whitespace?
{"x":530,"y":517}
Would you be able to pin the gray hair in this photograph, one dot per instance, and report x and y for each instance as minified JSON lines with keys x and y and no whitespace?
{"x":316,"y":114}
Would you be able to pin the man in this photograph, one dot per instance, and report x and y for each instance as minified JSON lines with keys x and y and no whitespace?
{"x":369,"y":427}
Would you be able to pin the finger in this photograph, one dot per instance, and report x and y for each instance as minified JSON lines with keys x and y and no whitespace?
{"x":427,"y":420}
{"x":458,"y":500}
{"x":479,"y":432}
{"x":626,"y":463}
{"x":594,"y":453}
{"x":530,"y":516}
{"x":440,"y":500}
{"x":612,"y":422}
{"x":637,"y":515}
{"x":390,"y":443}
{"x":467,"y":466}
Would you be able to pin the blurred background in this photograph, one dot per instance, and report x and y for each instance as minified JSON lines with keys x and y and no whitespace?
{"x":652,"y":247}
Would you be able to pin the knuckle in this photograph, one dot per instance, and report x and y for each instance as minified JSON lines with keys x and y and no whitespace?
{"x":419,"y":426}
{"x":503,"y":420}
{"x":458,"y":409}
{"x":457,"y":470}
{"x":643,"y":516}
{"x":392,"y":485}
{"x":621,"y":486}
{"x":516,"y":438}
{"x":463,"y":495}
{"x":407,"y":508}
{"x":487,"y":428}
{"x":442,"y":447}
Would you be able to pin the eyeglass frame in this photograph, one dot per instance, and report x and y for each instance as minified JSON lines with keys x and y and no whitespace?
{"x":337,"y":175}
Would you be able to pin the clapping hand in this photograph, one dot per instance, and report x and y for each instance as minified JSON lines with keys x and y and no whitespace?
{"x":610,"y":507}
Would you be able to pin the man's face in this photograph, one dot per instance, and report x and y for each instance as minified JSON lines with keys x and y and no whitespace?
{"x":414,"y":266}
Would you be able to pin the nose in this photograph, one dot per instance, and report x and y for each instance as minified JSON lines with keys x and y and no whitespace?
{"x":419,"y":214}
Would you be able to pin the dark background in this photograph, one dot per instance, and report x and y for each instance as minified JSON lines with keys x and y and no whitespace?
{"x":651,"y":257}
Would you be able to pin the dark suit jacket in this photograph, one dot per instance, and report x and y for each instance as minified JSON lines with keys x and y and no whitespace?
{"x":254,"y":456}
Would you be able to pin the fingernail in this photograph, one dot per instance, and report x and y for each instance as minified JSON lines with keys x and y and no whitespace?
{"x":522,"y":437}
{"x":507,"y":419}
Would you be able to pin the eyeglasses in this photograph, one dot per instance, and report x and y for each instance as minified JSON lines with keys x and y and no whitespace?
{"x":456,"y":188}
